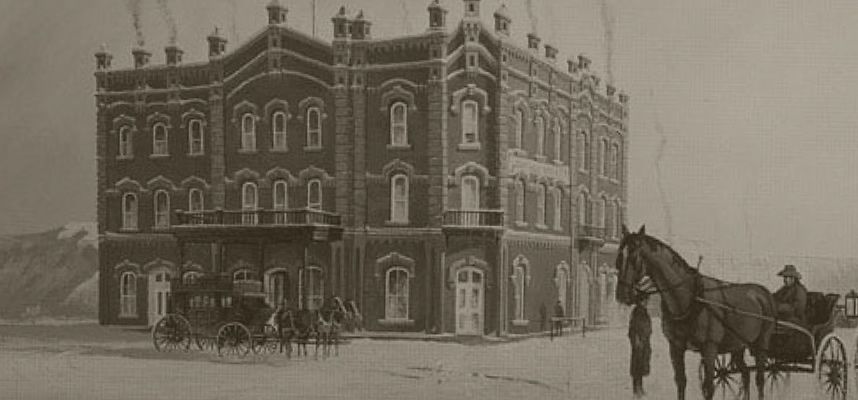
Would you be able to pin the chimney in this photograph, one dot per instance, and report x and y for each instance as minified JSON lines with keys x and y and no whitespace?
{"x":583,"y":62}
{"x":276,"y":13}
{"x":437,"y":16}
{"x":103,"y":58}
{"x":502,"y":20}
{"x":141,"y":57}
{"x":217,"y":44}
{"x":533,"y":42}
{"x":360,"y":27}
{"x":174,"y":54}
{"x":550,"y":52}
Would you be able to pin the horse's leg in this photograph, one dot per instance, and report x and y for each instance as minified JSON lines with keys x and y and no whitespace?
{"x":709,"y":353}
{"x":738,"y":358}
{"x":760,"y":361}
{"x":677,"y":358}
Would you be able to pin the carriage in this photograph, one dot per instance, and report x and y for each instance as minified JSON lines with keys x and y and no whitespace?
{"x":796,"y":349}
{"x":213,"y":312}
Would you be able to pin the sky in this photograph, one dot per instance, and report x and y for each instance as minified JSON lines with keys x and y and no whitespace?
{"x":754,"y":100}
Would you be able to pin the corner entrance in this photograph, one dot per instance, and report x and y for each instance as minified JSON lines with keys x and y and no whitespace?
{"x":470,"y":301}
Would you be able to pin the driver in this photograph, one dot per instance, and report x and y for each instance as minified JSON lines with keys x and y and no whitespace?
{"x":791,"y":299}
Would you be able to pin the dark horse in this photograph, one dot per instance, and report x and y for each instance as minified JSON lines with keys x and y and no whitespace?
{"x":328,"y":326}
{"x":699,"y":313}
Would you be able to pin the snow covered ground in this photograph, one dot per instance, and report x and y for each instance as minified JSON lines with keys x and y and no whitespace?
{"x":92,"y":362}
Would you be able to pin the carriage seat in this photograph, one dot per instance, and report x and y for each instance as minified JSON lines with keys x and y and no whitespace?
{"x":820,"y":313}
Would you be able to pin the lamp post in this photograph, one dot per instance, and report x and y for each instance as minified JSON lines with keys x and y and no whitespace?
{"x":851,"y":304}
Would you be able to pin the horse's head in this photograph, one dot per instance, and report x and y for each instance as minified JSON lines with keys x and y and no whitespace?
{"x":631,"y":269}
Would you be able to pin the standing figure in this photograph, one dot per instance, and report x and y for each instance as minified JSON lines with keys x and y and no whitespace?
{"x":543,"y":315}
{"x":558,"y":315}
{"x":640,"y":330}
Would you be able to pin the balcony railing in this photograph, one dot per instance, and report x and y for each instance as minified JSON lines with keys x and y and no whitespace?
{"x":591,"y":232}
{"x":295,"y":217}
{"x":474,"y":218}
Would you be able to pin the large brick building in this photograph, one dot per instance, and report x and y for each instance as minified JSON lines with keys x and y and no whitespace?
{"x":449,"y":181}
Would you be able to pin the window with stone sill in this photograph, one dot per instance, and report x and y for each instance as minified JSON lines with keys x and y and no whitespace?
{"x":159,"y":140}
{"x":125,"y":149}
{"x":470,"y":122}
{"x":519,"y":200}
{"x":519,"y":127}
{"x":128,"y":295}
{"x":583,"y":151}
{"x":249,"y":203}
{"x":396,"y":294}
{"x":314,"y":128}
{"x":557,"y":196}
{"x":248,"y":132}
{"x":195,"y":200}
{"x":605,"y":162}
{"x":540,"y":205}
{"x":399,"y":124}
{"x":314,"y":194}
{"x":399,"y":196}
{"x":195,"y":138}
{"x":129,"y":211}
{"x":540,"y":137}
{"x":162,"y":209}
{"x":278,"y":131}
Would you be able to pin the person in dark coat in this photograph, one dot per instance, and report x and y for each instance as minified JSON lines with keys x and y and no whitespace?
{"x":543,"y":317}
{"x":559,"y":314}
{"x":791,"y":299}
{"x":640,"y":330}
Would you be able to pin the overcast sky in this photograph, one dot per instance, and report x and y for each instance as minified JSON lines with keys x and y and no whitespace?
{"x":756,"y":100}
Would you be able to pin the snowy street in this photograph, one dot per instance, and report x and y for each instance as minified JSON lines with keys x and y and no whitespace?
{"x":92,"y":362}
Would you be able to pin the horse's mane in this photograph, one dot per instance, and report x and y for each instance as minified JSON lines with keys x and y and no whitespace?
{"x":654,"y":242}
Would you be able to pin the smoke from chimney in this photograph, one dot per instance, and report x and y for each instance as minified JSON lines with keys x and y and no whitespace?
{"x":135,"y":10}
{"x":608,"y":20}
{"x":534,"y":21}
{"x":169,"y":20}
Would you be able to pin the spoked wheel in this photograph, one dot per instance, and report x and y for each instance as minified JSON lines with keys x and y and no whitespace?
{"x":832,"y":368}
{"x":777,"y":380}
{"x":268,"y":342}
{"x":171,"y":333}
{"x":233,"y":339}
{"x":725,"y":380}
{"x":204,"y":343}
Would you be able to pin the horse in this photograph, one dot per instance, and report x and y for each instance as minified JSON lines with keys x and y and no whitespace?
{"x":744,"y":319}
{"x":284,"y":323}
{"x":305,"y":323}
{"x":330,"y":323}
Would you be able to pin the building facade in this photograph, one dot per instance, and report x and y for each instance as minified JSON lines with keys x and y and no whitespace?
{"x":449,"y":181}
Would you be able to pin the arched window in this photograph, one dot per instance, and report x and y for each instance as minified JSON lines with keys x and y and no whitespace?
{"x":519,"y":200}
{"x":399,"y":124}
{"x":609,"y":214}
{"x":129,"y":211}
{"x":617,"y":162}
{"x":396,"y":293}
{"x":244,"y":276}
{"x":314,"y":194}
{"x":159,"y":140}
{"x":128,"y":295}
{"x":583,"y":207}
{"x":195,"y":200}
{"x":518,"y":279}
{"x":519,"y":127}
{"x":248,"y":132}
{"x":540,"y":136}
{"x":275,"y":287}
{"x":618,"y":219}
{"x":470,"y":193}
{"x":315,"y":287}
{"x":557,"y":196}
{"x":314,"y":127}
{"x":605,"y":157}
{"x":191,"y":277}
{"x":249,"y":203}
{"x":470,"y":122}
{"x":399,"y":194}
{"x":280,"y":192}
{"x":125,"y":149}
{"x":195,"y":137}
{"x":583,"y":151}
{"x":603,"y":214}
{"x":558,"y":153}
{"x":562,"y":280}
{"x":162,"y":209}
{"x":540,"y":205}
{"x":278,"y":131}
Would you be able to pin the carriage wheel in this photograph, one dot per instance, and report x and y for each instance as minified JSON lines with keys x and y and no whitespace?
{"x":171,"y":333}
{"x":777,"y":380}
{"x":726,"y":384}
{"x":268,"y":342}
{"x":233,"y":339}
{"x":832,"y":368}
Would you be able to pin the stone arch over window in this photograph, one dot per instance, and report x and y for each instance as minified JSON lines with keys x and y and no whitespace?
{"x":242,"y":176}
{"x":397,"y":94}
{"x":192,"y":115}
{"x":158,"y":118}
{"x":397,"y":166}
{"x":522,"y":261}
{"x":472,"y":168}
{"x":122,"y":121}
{"x":125,"y":266}
{"x":394,"y":259}
{"x":160,"y":182}
{"x":465,"y":262}
{"x":193,"y":181}
{"x":313,"y":172}
{"x":160,"y":263}
{"x":305,"y":104}
{"x":280,"y":174}
{"x":470,"y":92}
{"x":127,"y":184}
{"x":273,"y":106}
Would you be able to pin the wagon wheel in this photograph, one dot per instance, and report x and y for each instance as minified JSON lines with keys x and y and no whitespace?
{"x":777,"y":380}
{"x":832,"y":368}
{"x":172,"y":332}
{"x":233,"y":339}
{"x":724,"y":381}
{"x":268,"y":341}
